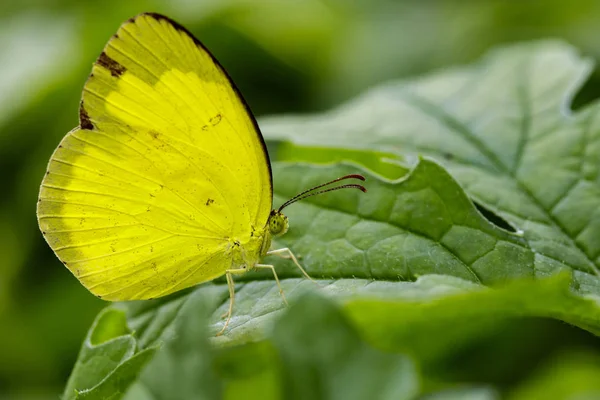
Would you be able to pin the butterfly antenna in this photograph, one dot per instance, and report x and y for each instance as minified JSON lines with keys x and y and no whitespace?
{"x":297,"y":197}
{"x":349,"y":186}
{"x":310,"y":192}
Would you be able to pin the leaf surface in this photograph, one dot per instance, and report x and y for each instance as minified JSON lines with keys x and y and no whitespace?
{"x":503,"y":129}
{"x":481,"y":208}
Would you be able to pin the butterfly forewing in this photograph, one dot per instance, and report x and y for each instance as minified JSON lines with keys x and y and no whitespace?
{"x":166,"y":166}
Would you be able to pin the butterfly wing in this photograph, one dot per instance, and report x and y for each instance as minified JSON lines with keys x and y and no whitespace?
{"x":167,"y":164}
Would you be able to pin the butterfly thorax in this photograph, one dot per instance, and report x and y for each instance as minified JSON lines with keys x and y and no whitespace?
{"x":247,"y":251}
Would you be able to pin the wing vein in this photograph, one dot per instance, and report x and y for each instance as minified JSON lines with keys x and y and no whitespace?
{"x":119,"y":252}
{"x":96,"y":242}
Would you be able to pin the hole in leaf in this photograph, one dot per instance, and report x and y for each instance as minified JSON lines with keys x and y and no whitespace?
{"x":494,"y":218}
{"x":587,"y":93}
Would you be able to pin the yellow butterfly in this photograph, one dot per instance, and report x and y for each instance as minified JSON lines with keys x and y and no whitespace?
{"x":166,"y":182}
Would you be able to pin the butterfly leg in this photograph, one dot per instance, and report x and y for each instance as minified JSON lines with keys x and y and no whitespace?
{"x":287,"y":253}
{"x":265,"y":266}
{"x":287,"y":256}
{"x":230,"y":285}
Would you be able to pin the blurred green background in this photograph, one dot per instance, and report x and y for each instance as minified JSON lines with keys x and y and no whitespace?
{"x":286,"y":56}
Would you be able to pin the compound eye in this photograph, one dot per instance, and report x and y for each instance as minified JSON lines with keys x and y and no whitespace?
{"x":278,"y":224}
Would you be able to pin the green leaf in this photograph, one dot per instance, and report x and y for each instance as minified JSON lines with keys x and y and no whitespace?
{"x":399,"y":230}
{"x":503,"y":129}
{"x":568,"y":376}
{"x":324,"y":358}
{"x":113,"y":356}
{"x":466,"y":314}
{"x":398,"y":316}
{"x":387,"y":165}
{"x":182,"y":369}
{"x":109,"y":360}
{"x":465,"y":393}
{"x":414,"y":264}
{"x":316,"y":348}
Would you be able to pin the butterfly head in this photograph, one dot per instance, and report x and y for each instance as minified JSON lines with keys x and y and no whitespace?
{"x":278,"y":223}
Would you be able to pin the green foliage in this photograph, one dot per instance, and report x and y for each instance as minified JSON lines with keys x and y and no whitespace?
{"x":108,"y":361}
{"x":412,"y":277}
{"x":561,"y":375}
{"x":501,"y":127}
{"x":308,"y":56}
{"x":182,"y":370}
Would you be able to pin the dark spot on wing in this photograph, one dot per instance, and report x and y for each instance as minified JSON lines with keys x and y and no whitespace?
{"x":209,"y":202}
{"x":215,"y":120}
{"x":114,"y":67}
{"x":154,"y":134}
{"x":84,"y":119}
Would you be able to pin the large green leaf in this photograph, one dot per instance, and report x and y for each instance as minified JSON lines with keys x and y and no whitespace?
{"x":324,"y":358}
{"x":415,"y":265}
{"x":314,"y":344}
{"x":315,"y":353}
{"x":502,"y":127}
